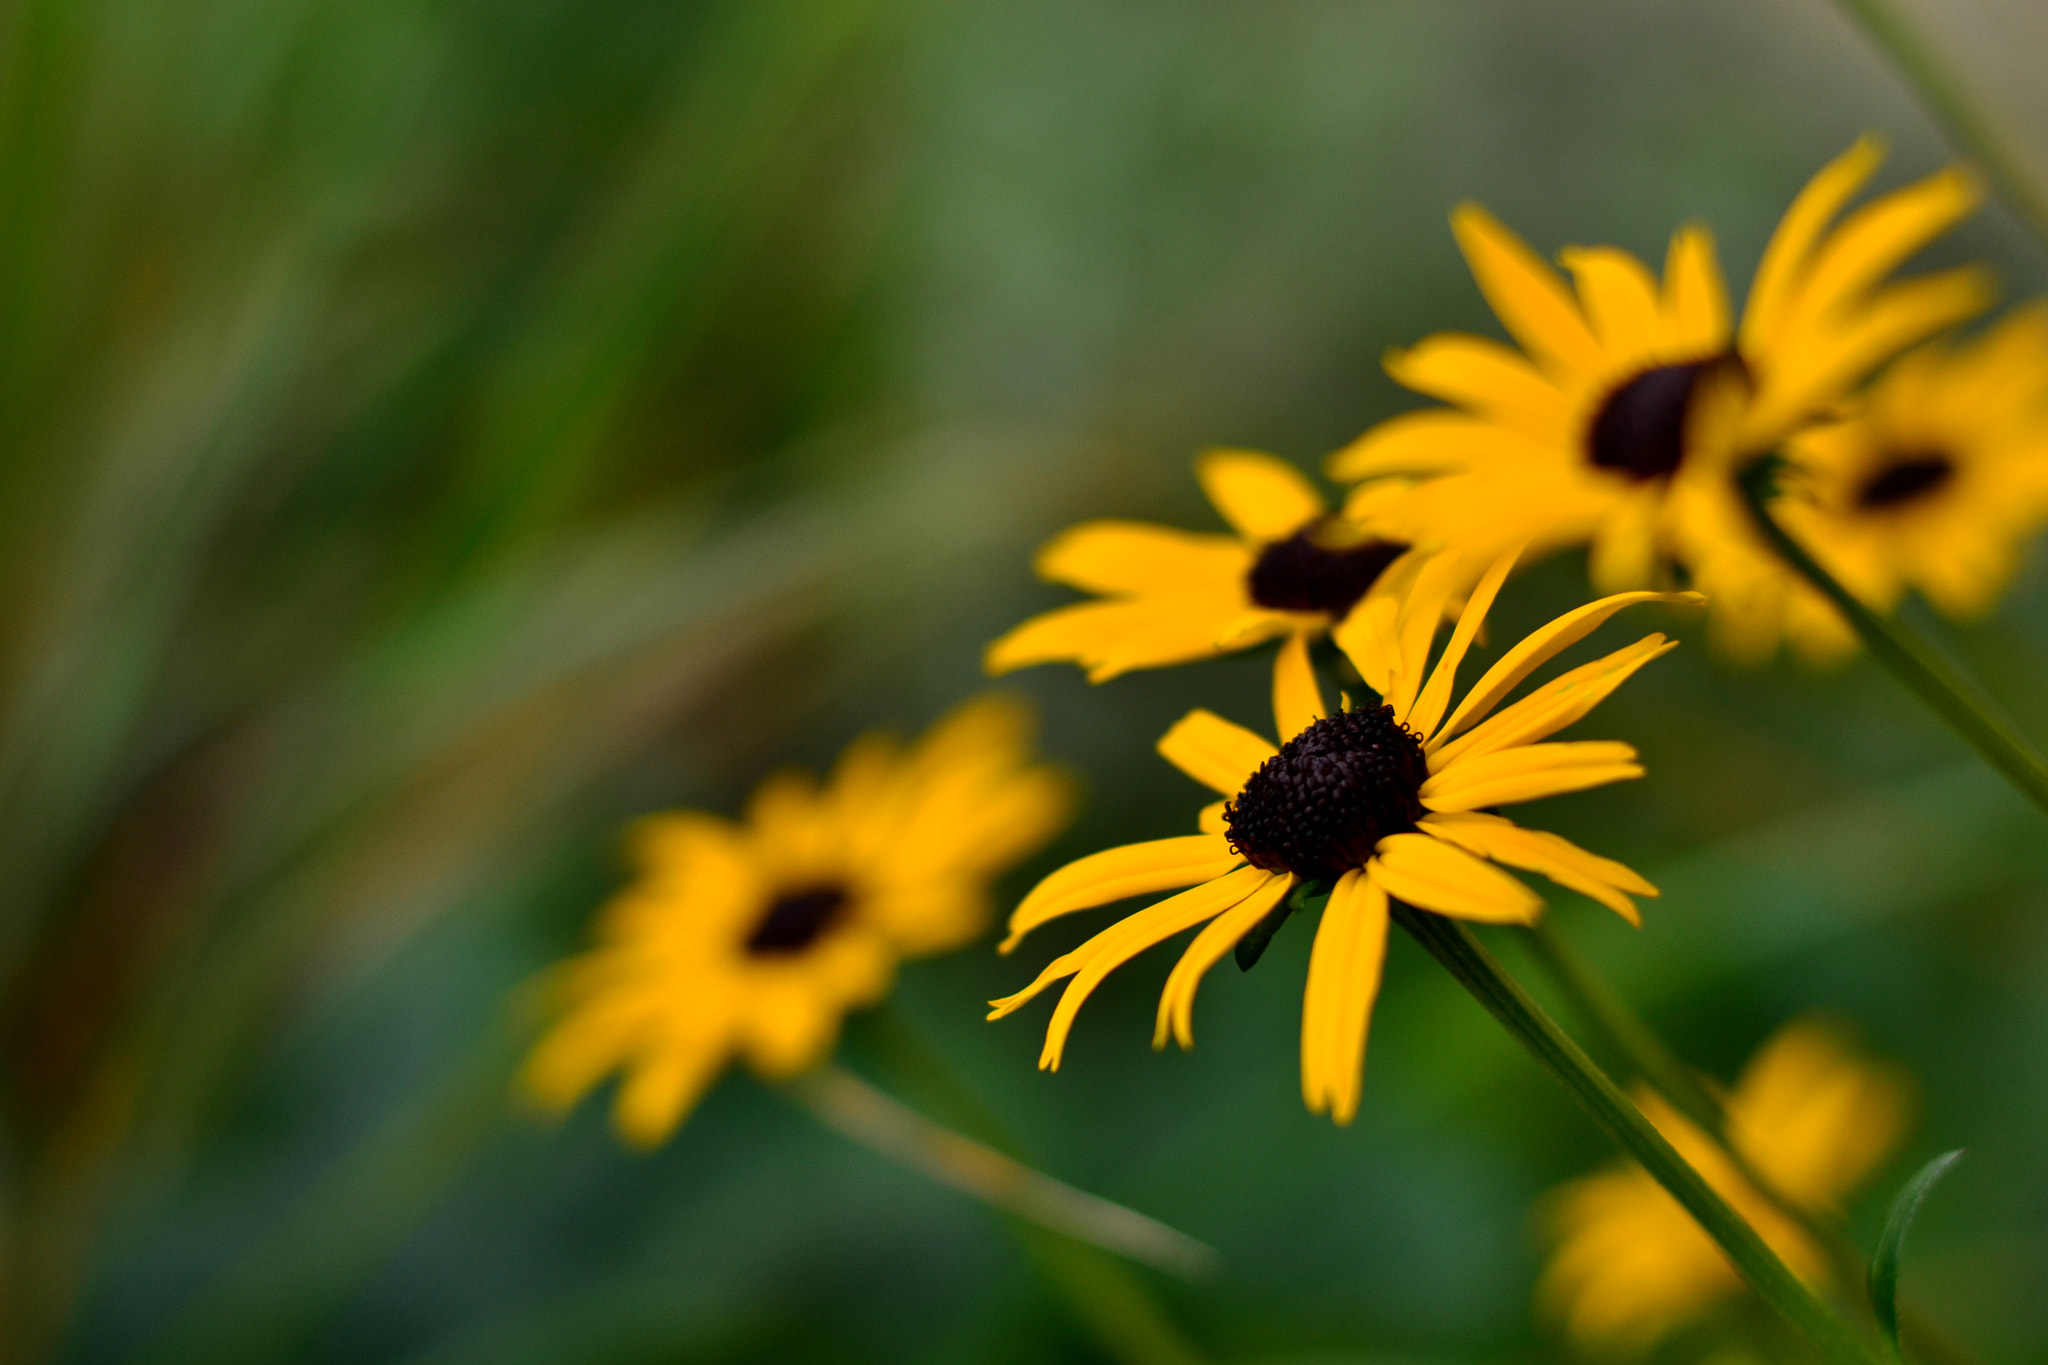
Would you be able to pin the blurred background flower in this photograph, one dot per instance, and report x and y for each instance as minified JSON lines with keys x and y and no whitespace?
{"x":1809,"y":1114}
{"x":438,"y":432}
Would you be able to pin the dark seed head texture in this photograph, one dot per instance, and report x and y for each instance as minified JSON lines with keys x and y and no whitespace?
{"x":1640,"y":429}
{"x":1302,"y":574}
{"x":1905,"y":479}
{"x":796,"y":919}
{"x":1320,"y":805}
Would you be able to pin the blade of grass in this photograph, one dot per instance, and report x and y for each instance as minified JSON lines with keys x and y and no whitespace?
{"x":1891,"y":1244}
{"x":640,"y":284}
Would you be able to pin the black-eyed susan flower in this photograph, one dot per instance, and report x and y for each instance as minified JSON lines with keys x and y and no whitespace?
{"x":1168,"y":596}
{"x":1393,"y":798}
{"x":753,"y":939}
{"x":1932,"y":483}
{"x":1810,"y":1115}
{"x":1619,"y":420}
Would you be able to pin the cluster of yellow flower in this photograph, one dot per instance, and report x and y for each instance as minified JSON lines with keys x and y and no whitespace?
{"x":1621,"y":424}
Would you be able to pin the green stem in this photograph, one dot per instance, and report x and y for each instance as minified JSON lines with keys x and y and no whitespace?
{"x":1625,"y":1031}
{"x":1103,"y":1294}
{"x":1948,"y":99}
{"x":1476,"y":970}
{"x":1631,"y":1037}
{"x":1944,"y":688}
{"x":858,"y":1110}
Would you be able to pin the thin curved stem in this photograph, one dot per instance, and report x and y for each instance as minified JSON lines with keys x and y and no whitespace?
{"x":1946,"y":690}
{"x":1476,"y":970}
{"x":1105,"y":1295}
{"x":1629,"y":1034}
{"x":855,"y":1109}
{"x":1948,"y":99}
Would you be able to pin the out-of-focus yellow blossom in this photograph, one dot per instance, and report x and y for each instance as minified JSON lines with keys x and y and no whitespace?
{"x":1621,"y":419}
{"x":755,"y":938}
{"x":1169,"y":596}
{"x":1390,"y":798}
{"x":1810,"y":1114}
{"x":1932,"y":483}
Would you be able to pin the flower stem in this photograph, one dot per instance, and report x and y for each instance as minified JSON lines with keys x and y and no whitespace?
{"x":855,"y":1109}
{"x":1476,"y":970}
{"x":1945,"y":689}
{"x":1106,"y":1297}
{"x":1948,"y":99}
{"x":1628,"y":1034}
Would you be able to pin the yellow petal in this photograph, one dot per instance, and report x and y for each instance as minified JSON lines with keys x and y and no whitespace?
{"x":1297,"y":697}
{"x":1528,"y":773}
{"x":1623,"y":556}
{"x":1213,"y":751}
{"x":1263,"y":498}
{"x":1092,"y":962}
{"x":1422,"y":611}
{"x":1785,"y":256}
{"x":1816,"y":1116}
{"x":587,"y":1044}
{"x":1619,"y":295}
{"x":1798,"y":380}
{"x":1490,"y":836}
{"x":1430,"y":874}
{"x":1255,"y":626}
{"x":1436,"y":694}
{"x":662,"y":1087}
{"x":1336,"y":1007}
{"x":1211,"y":821}
{"x":1529,"y":298}
{"x":1543,"y":645}
{"x":1551,"y":707}
{"x":1114,"y":637}
{"x":1877,"y":237}
{"x":1486,"y":377}
{"x":1435,"y":441}
{"x":1367,"y":637}
{"x":1113,"y":874}
{"x":1132,"y":557}
{"x":1177,"y":1000}
{"x":1695,"y":299}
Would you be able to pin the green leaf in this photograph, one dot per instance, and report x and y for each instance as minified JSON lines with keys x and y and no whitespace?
{"x":1252,"y":947}
{"x":1884,"y":1265}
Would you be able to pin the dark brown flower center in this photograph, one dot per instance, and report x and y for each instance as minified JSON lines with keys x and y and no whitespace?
{"x":1640,"y":428}
{"x":1905,"y":479}
{"x":796,"y":919}
{"x":1322,"y":803}
{"x":1311,"y":571}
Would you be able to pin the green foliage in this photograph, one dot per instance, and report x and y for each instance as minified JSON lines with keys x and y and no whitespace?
{"x":1891,"y":1243}
{"x":433,"y":432}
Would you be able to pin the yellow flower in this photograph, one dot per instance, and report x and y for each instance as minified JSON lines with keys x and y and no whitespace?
{"x":1932,"y":483}
{"x":1809,"y":1114}
{"x":1172,"y":596}
{"x":1619,"y":420}
{"x":754,"y":939}
{"x":1387,"y":799}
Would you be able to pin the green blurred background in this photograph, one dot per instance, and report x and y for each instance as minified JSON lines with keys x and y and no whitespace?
{"x":437,"y":431}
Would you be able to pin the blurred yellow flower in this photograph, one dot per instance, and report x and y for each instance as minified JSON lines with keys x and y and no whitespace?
{"x":1619,"y":421}
{"x":1932,"y":483}
{"x":754,"y":939}
{"x":1172,"y":596}
{"x":1811,"y":1115}
{"x":1390,"y":799}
